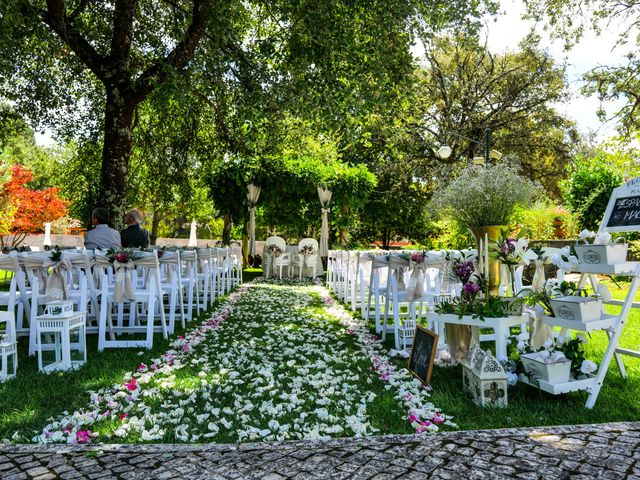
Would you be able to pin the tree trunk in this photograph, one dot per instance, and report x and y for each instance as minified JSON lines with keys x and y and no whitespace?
{"x":226,"y":229}
{"x":118,"y":118}
{"x":344,"y":232}
{"x":155,"y":223}
{"x":245,"y":239}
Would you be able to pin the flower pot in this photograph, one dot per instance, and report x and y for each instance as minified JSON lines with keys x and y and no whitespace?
{"x":581,"y":309}
{"x":492,"y":232}
{"x":537,"y":369}
{"x":514,"y":305}
{"x":608,"y":254}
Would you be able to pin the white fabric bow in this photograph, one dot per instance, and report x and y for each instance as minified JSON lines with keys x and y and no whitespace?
{"x":124,"y":284}
{"x":56,"y":284}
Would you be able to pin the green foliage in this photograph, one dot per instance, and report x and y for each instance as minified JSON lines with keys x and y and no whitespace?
{"x":466,"y":89}
{"x":589,"y":188}
{"x":491,"y":307}
{"x":546,"y":221}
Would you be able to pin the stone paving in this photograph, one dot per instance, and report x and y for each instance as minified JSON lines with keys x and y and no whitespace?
{"x":606,"y":451}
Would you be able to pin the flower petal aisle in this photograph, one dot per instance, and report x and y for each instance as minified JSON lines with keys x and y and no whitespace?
{"x":276,"y":361}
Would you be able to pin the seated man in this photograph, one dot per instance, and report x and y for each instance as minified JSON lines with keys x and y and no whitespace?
{"x":134,"y":236}
{"x":101,"y":236}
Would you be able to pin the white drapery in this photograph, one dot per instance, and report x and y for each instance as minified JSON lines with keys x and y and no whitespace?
{"x":325,"y":198}
{"x":253,"y":194}
{"x":47,"y":235}
{"x":193,"y":239}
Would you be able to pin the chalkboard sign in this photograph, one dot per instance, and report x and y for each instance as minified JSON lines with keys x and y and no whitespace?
{"x":423,"y":353}
{"x":623,"y":210}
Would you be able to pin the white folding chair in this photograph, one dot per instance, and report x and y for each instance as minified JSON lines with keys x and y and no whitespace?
{"x":145,"y":305}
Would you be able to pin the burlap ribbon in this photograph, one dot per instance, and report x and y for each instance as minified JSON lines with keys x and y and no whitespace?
{"x":415,"y":289}
{"x":458,"y":340}
{"x":539,"y":331}
{"x":56,"y":284}
{"x":124,"y":290}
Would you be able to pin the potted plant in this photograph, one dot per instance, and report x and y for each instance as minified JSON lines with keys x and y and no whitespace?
{"x":483,"y":200}
{"x":597,"y":248}
{"x":556,"y":362}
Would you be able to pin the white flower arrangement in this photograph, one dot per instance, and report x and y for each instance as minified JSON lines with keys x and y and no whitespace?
{"x":600,"y":238}
{"x":565,"y":260}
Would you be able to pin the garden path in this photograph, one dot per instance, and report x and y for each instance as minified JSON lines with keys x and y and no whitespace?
{"x":577,"y":452}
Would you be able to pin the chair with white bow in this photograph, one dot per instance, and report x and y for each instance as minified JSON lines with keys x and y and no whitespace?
{"x":190,"y":289}
{"x":136,"y":290}
{"x":306,"y":258}
{"x":409,"y":288}
{"x":275,"y":250}
{"x":171,"y":284}
{"x":16,"y":299}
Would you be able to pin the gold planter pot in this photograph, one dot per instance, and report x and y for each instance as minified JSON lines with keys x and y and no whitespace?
{"x":493,"y":233}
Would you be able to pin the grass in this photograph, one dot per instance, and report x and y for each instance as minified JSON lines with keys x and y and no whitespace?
{"x":28,"y":401}
{"x":31,"y":398}
{"x":528,"y":406}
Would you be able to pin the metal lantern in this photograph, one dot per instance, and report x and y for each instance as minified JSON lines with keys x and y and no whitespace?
{"x":484,"y":377}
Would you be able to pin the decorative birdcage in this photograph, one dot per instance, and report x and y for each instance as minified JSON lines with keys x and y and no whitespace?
{"x":484,"y":377}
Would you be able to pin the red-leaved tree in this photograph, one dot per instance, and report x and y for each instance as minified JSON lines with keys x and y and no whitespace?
{"x":25,"y":210}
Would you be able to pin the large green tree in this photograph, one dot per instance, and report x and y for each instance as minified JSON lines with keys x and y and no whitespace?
{"x":85,"y":66}
{"x":467,"y":89}
{"x":569,"y":20}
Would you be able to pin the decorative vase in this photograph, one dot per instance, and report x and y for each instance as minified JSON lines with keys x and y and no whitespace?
{"x":492,"y":232}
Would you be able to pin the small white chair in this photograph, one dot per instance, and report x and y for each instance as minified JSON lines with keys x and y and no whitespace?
{"x":282,"y":260}
{"x":308,"y":260}
{"x":8,"y":346}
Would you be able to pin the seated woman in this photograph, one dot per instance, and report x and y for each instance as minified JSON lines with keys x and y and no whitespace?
{"x":134,"y":236}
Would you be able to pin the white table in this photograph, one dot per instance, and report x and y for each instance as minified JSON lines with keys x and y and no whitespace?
{"x":501,"y":326}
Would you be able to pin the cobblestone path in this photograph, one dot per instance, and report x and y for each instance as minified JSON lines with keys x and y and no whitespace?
{"x":607,"y":451}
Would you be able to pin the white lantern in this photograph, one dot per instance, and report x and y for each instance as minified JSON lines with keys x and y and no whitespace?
{"x":8,"y":346}
{"x":61,"y":342}
{"x":484,"y":377}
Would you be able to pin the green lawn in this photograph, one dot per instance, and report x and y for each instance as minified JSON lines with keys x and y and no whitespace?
{"x":27,"y":402}
{"x":619,"y":398}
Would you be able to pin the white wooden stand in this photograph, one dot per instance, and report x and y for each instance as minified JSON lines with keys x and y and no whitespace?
{"x":613,"y":325}
{"x":501,"y":326}
{"x":61,"y":329}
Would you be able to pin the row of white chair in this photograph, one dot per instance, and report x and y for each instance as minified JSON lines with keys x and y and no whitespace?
{"x":162,"y":288}
{"x":382,"y":285}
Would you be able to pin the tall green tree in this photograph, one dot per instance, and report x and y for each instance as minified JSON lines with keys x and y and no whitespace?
{"x":569,"y":21}
{"x":467,"y":89}
{"x":98,"y":61}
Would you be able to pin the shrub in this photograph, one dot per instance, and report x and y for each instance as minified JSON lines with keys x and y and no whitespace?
{"x":589,"y":189}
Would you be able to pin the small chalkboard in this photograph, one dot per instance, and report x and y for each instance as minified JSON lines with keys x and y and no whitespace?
{"x":623,"y":210}
{"x":423,"y":353}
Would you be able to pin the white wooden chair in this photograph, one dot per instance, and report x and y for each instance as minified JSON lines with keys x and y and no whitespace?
{"x":188,"y":268}
{"x":143,"y":309}
{"x":172,"y":286}
{"x":205,"y":264}
{"x":281,"y":261}
{"x":16,"y":299}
